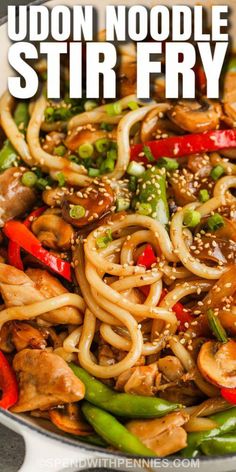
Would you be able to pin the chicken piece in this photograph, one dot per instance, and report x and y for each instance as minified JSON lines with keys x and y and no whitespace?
{"x":171,"y":368}
{"x":18,"y":288}
{"x":45,"y":380}
{"x":163,"y":435}
{"x":50,"y":287}
{"x":20,"y":335}
{"x":141,"y":380}
{"x":15,"y":198}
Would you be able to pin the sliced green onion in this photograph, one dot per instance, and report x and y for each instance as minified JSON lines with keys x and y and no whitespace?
{"x":204,"y":195}
{"x":215,"y":222}
{"x":144,"y":209}
{"x":133,"y":105}
{"x":48,"y":113}
{"x":134,"y":168}
{"x":112,"y":154}
{"x":217,"y":172}
{"x":92,"y":172}
{"x":122,"y":204}
{"x":113,"y":108}
{"x":90,"y":105}
{"x":148,"y":153}
{"x":102,"y":145}
{"x":216,"y":326}
{"x":192,"y":218}
{"x":42,"y":183}
{"x":168,"y":163}
{"x":61,"y":179}
{"x":29,"y":179}
{"x":60,"y":150}
{"x":103,"y":241}
{"x":107,"y":165}
{"x":74,"y":158}
{"x":77,"y":211}
{"x":133,"y":181}
{"x":85,"y":150}
{"x":106,"y":126}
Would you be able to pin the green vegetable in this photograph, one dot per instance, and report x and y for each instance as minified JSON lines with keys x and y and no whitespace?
{"x":103,"y":241}
{"x":102,"y":145}
{"x":107,"y":166}
{"x":148,"y":153}
{"x":121,"y":404}
{"x":106,"y":126}
{"x":192,"y":218}
{"x":29,"y":179}
{"x":122,"y":204}
{"x":77,"y":211}
{"x":21,"y":115}
{"x":133,"y":181}
{"x":61,"y":179}
{"x":215,"y":222}
{"x":60,"y":150}
{"x":217,"y":172}
{"x":114,"y":108}
{"x":204,"y":195}
{"x":7,"y":156}
{"x":216,"y":326}
{"x":85,"y":150}
{"x":91,"y":439}
{"x":42,"y":183}
{"x":136,"y":169}
{"x":90,"y":105}
{"x":74,"y":158}
{"x":225,"y":444}
{"x":226,"y":421}
{"x":232,"y":65}
{"x":92,"y":172}
{"x":133,"y":105}
{"x":144,"y":208}
{"x":113,"y":432}
{"x":112,"y":154}
{"x":168,"y":163}
{"x":151,"y":192}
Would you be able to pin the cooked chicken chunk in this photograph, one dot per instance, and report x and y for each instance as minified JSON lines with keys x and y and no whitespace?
{"x":15,"y":198}
{"x":163,"y":435}
{"x":141,"y":380}
{"x":20,"y":335}
{"x":19,"y":288}
{"x":45,"y":380}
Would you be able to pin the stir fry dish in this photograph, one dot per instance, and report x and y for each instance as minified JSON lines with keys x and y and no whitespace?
{"x":118,"y":266}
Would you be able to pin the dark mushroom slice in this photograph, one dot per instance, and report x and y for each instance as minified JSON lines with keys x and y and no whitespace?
{"x":88,"y":205}
{"x":69,"y":419}
{"x":86,"y":134}
{"x":53,"y":231}
{"x":196,"y":116}
{"x":217,"y":363}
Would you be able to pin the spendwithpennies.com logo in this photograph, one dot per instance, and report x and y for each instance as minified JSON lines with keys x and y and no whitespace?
{"x":120,"y":464}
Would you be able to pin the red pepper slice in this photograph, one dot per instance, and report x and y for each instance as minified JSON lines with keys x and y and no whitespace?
{"x":147,"y":258}
{"x":8,"y":384}
{"x":229,"y":394}
{"x":13,"y":252}
{"x":18,"y":233}
{"x":178,"y":146}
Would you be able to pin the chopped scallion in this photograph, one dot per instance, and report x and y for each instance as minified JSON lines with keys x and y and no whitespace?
{"x":217,"y":172}
{"x":204,"y":195}
{"x":168,"y":163}
{"x":113,"y":108}
{"x":29,"y":179}
{"x":192,"y":218}
{"x":136,"y":169}
{"x":216,"y":327}
{"x":122,"y":204}
{"x":102,"y":145}
{"x":103,"y":241}
{"x":85,"y":150}
{"x":77,"y":211}
{"x":215,"y":222}
{"x":144,"y":209}
{"x":148,"y":153}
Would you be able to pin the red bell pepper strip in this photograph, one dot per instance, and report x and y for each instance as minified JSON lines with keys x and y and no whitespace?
{"x":147,"y":257}
{"x":229,"y":394}
{"x":178,"y":146}
{"x":8,"y":384}
{"x":13,"y":251}
{"x":18,"y":233}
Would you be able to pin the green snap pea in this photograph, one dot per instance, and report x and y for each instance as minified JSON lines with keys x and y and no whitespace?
{"x":92,"y":439}
{"x":221,"y":445}
{"x":121,"y":404}
{"x":21,"y":115}
{"x":7,"y":156}
{"x":152,"y":191}
{"x":113,"y":432}
{"x":226,"y":421}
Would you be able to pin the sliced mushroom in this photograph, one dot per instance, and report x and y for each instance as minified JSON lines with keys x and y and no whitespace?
{"x":69,"y":419}
{"x":96,"y":202}
{"x":54,"y":196}
{"x":53,"y":231}
{"x":88,"y":134}
{"x":229,"y":98}
{"x":195,"y":116}
{"x":217,"y":363}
